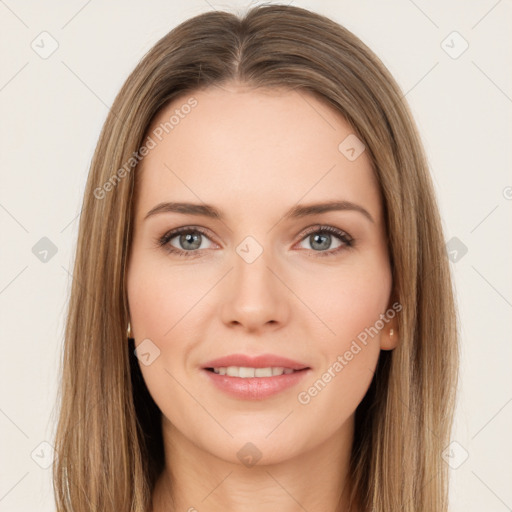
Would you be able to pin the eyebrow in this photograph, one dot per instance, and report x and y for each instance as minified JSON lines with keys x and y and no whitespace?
{"x":296,"y":212}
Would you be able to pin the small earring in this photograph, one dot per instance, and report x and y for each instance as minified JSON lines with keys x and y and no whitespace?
{"x":129,"y":331}
{"x":391,"y":332}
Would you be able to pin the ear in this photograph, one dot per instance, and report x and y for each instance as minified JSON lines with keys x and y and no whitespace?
{"x":389,"y":336}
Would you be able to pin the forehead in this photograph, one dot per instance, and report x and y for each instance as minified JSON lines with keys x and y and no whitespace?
{"x":234,"y":145}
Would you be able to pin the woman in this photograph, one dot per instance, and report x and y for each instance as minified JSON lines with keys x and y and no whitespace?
{"x":261,"y":314}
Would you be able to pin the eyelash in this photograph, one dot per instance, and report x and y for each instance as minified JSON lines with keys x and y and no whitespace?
{"x":344,"y":237}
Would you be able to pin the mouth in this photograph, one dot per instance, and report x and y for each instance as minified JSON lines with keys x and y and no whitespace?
{"x":249,"y":383}
{"x":249,"y":377}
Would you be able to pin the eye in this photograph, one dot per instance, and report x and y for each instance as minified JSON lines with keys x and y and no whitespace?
{"x":320,"y":239}
{"x":184,"y":241}
{"x":187,"y":240}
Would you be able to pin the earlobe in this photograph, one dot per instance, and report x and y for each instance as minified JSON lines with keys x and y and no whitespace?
{"x":389,"y":337}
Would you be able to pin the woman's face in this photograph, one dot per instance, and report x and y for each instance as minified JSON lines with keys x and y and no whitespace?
{"x":260,"y":277}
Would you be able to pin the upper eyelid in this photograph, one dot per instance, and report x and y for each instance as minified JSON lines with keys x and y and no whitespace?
{"x":186,"y":229}
{"x":325,"y":227}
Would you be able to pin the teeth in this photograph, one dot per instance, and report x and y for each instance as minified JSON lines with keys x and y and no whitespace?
{"x":244,"y":372}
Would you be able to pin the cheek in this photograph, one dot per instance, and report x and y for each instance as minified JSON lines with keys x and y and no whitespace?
{"x":334,"y":393}
{"x":160,"y":305}
{"x":349,"y":299}
{"x":165,"y":305}
{"x":160,"y":297}
{"x":350,"y":305}
{"x":357,"y":306}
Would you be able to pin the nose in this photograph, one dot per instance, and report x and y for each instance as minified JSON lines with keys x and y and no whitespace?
{"x":253,"y":297}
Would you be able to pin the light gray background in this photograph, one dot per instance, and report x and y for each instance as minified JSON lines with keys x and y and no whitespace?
{"x":52,"y":110}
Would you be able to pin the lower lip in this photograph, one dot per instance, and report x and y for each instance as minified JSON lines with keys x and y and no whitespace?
{"x":256,"y":388}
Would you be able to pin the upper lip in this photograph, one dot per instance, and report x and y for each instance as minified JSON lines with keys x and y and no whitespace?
{"x":261,"y":361}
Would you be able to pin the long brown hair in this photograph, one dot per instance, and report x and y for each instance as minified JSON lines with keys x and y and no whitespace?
{"x":108,"y":439}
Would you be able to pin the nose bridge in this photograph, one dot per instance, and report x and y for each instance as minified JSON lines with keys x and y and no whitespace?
{"x":251,"y":273}
{"x":253,"y":296}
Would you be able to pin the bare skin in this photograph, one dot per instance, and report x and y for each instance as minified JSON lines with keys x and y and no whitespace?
{"x":254,"y":155}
